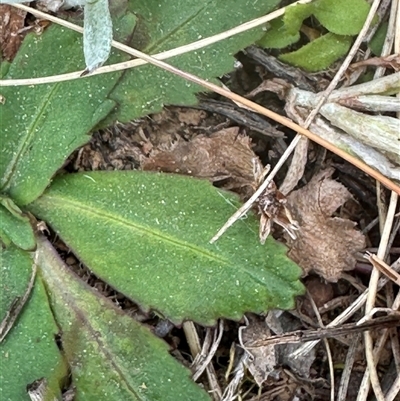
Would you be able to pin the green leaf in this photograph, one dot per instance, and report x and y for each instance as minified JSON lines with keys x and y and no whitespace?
{"x":97,"y":36}
{"x":338,"y":16}
{"x":112,"y":357}
{"x":320,"y":53}
{"x":377,"y":41}
{"x":15,"y":225}
{"x":41,"y":125}
{"x":29,"y":351}
{"x":147,"y":235}
{"x":4,"y":65}
{"x":164,"y":25}
{"x":342,"y":17}
{"x":16,"y":269}
{"x":277,"y":36}
{"x":295,"y":15}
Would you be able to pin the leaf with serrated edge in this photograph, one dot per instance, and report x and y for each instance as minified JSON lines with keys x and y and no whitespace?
{"x":112,"y":357}
{"x":165,"y":25}
{"x":147,"y":235}
{"x":29,"y":351}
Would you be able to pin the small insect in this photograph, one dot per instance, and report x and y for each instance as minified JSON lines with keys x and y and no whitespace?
{"x":272,"y":205}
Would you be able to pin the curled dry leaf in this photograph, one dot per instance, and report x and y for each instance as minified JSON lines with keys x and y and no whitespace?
{"x":324,"y":244}
{"x":225,"y":155}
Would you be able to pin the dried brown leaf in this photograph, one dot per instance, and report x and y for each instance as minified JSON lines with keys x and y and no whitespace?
{"x":225,"y":155}
{"x":11,"y":22}
{"x":324,"y":244}
{"x":263,"y":359}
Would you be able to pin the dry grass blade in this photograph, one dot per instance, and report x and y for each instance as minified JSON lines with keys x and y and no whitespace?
{"x":345,"y":379}
{"x":305,"y":336}
{"x":373,"y":286}
{"x":347,"y":313}
{"x":197,"y":353}
{"x":135,"y":63}
{"x":297,"y":166}
{"x":384,"y":268}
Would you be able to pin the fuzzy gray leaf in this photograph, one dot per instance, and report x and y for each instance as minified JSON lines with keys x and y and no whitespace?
{"x":97,"y":35}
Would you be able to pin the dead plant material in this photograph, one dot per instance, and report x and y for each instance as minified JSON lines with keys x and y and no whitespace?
{"x":392,"y":61}
{"x":384,"y":268}
{"x":263,"y":359}
{"x":301,"y":336}
{"x":242,"y":116}
{"x":12,"y":20}
{"x":293,"y":75}
{"x":225,"y":156}
{"x":39,"y":390}
{"x":324,"y":244}
{"x":272,"y":206}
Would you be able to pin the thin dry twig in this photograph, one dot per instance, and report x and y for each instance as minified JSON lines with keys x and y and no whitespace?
{"x":195,"y":348}
{"x":394,"y":391}
{"x":348,"y":366}
{"x":347,"y":313}
{"x":326,"y":343}
{"x":296,"y":170}
{"x":373,"y":288}
{"x":389,"y":39}
{"x":208,"y":350}
{"x":120,"y":46}
{"x":309,"y":336}
{"x":385,"y":269}
{"x":364,"y":386}
{"x":248,"y":205}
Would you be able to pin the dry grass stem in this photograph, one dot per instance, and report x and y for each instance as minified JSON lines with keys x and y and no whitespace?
{"x":327,"y":347}
{"x":193,"y":340}
{"x":348,"y":366}
{"x":296,"y":169}
{"x":384,"y":268}
{"x":209,"y":348}
{"x":347,"y":313}
{"x":364,"y":387}
{"x":373,"y":288}
{"x":120,"y":46}
{"x":247,"y":206}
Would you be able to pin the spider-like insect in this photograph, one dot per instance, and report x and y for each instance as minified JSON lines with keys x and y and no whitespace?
{"x":272,"y":205}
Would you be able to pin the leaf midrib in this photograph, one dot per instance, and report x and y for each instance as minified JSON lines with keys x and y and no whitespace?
{"x":81,"y":208}
{"x":223,"y":261}
{"x":27,"y":139}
